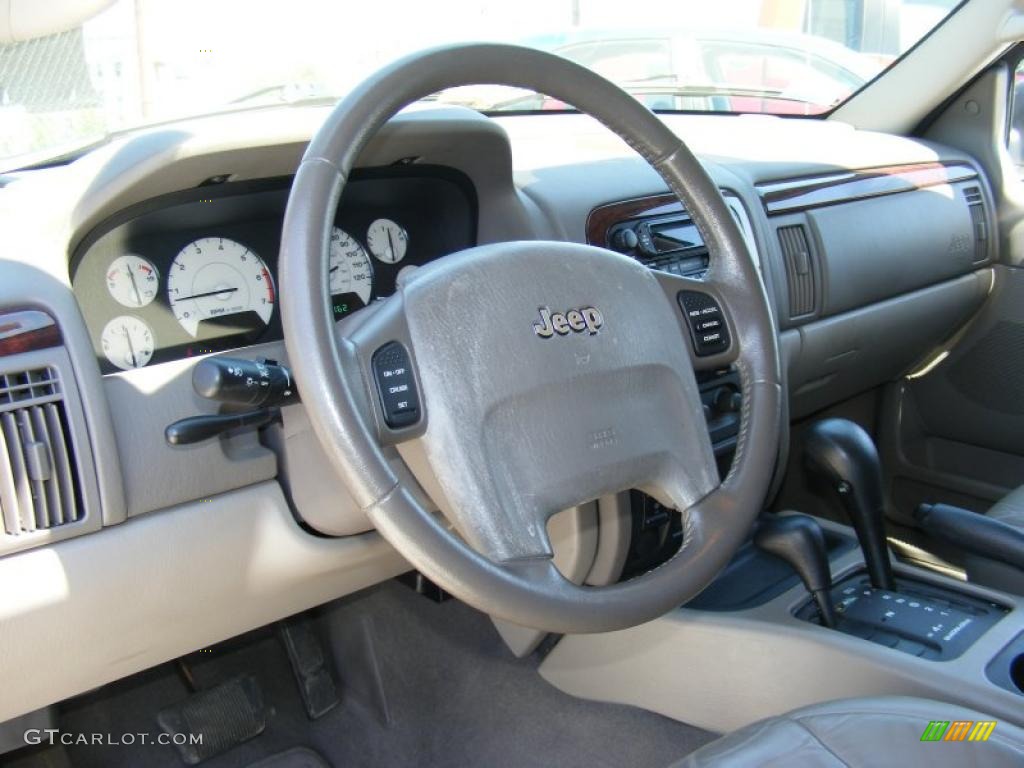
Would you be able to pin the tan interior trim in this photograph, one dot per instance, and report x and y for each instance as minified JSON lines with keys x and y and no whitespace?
{"x":101,"y":607}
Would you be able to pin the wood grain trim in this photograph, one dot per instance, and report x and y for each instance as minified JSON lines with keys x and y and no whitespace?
{"x":811,"y":192}
{"x":604,"y":217}
{"x":27,"y":331}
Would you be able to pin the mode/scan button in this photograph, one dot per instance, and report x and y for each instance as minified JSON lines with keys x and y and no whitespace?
{"x":396,"y":385}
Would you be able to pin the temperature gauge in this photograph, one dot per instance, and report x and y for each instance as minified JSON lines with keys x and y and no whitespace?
{"x":132,"y":281}
{"x":127,"y":342}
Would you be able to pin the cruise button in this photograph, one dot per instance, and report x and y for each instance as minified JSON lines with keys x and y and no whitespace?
{"x":396,"y":386}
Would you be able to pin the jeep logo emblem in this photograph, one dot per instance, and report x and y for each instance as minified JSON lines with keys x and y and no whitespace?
{"x":574,"y":321}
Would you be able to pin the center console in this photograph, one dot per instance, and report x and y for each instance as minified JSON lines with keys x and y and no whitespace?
{"x":1007,"y":668}
{"x":723,"y":665}
{"x":916,"y":617}
{"x":812,"y":611}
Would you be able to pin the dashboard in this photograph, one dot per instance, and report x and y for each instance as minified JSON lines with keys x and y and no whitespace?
{"x":872,"y":251}
{"x":195,"y":272}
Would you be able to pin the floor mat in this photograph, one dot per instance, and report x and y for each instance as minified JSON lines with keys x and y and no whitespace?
{"x":300,"y":757}
{"x":421,"y":683}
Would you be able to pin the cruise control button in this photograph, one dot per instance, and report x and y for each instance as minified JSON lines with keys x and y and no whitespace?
{"x":396,"y":386}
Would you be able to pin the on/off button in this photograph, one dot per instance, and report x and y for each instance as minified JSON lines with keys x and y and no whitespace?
{"x":396,"y":386}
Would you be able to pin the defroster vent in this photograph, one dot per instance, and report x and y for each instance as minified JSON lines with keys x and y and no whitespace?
{"x":979,"y":218}
{"x":800,"y":269}
{"x":38,"y":483}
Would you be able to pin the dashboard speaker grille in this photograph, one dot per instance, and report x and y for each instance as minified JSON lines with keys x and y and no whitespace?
{"x":800,"y":270}
{"x":38,"y":483}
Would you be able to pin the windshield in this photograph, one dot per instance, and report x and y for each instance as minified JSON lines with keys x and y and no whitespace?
{"x":145,"y":61}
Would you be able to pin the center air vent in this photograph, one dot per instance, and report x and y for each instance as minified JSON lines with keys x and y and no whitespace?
{"x":800,"y":270}
{"x":28,"y":385}
{"x":38,"y":484}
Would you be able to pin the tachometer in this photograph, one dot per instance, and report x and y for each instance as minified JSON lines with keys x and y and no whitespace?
{"x":132,"y":281}
{"x":350,"y":272}
{"x":214,"y":278}
{"x":127,"y":342}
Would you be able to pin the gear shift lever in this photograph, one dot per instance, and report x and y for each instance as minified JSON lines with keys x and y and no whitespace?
{"x":798,"y":540}
{"x":843,"y":454}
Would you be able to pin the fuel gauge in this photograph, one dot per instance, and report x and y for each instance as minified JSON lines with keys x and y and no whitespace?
{"x":127,"y":342}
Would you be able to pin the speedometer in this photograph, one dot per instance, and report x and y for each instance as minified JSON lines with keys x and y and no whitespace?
{"x":214,"y":278}
{"x":350,"y":272}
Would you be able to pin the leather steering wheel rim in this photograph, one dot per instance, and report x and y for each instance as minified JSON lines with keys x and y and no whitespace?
{"x":514,"y":577}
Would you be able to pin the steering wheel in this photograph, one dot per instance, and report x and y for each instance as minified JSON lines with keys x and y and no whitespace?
{"x":534,"y":376}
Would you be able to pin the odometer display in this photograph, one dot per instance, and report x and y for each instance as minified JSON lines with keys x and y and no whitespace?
{"x":213,"y":278}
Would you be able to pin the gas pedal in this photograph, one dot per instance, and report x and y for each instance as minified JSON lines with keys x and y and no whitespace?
{"x":309,"y":664}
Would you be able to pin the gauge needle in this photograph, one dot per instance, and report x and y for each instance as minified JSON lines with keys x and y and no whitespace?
{"x":208,"y":293}
{"x":131,"y":347}
{"x":131,"y":276}
{"x":391,"y":247}
{"x":332,"y":270}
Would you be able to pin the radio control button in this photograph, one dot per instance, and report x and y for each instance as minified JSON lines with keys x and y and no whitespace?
{"x":704,"y":318}
{"x":625,"y":240}
{"x":644,"y":239}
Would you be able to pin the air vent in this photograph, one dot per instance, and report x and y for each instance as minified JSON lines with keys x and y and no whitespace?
{"x":976,"y":205}
{"x":28,"y":385}
{"x":38,"y":483}
{"x":799,"y":270}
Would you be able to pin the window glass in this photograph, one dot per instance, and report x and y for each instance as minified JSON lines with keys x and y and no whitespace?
{"x":1015,"y":132}
{"x":140,"y":62}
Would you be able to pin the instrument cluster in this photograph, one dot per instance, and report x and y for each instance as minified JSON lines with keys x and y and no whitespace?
{"x":195,"y":272}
